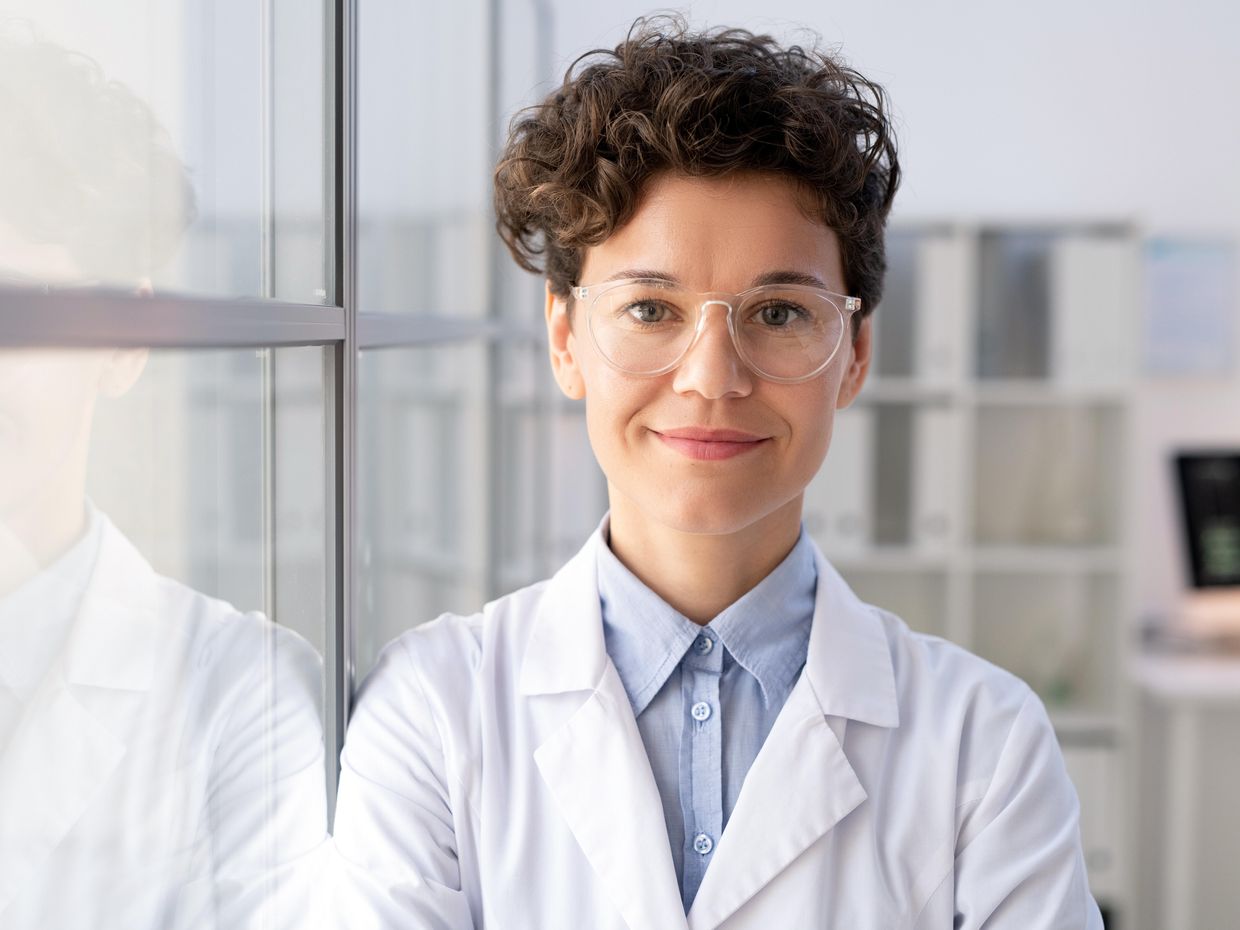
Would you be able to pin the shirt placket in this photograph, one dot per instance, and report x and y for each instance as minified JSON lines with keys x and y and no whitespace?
{"x":701,"y":759}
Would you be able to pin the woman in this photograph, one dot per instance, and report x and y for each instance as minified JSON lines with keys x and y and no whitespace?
{"x":696,"y":722}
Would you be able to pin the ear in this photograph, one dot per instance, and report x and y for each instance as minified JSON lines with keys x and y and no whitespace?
{"x":858,"y":365}
{"x":562,"y":344}
{"x":120,"y":370}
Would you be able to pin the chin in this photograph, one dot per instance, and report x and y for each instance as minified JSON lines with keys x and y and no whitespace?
{"x":707,"y":514}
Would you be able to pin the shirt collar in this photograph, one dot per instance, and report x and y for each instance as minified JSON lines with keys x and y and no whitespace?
{"x":849,"y":668}
{"x":645,"y":637}
{"x":766,"y":630}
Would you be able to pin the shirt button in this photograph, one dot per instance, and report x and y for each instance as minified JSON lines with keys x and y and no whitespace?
{"x":702,"y":844}
{"x":700,"y":711}
{"x":703,"y":645}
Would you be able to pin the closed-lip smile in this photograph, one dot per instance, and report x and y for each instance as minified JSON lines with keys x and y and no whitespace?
{"x":705,"y":444}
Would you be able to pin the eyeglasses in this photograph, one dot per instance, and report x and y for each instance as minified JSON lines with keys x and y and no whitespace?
{"x":782,"y":332}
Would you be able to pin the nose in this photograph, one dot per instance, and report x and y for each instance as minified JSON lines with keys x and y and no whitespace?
{"x":711,"y":367}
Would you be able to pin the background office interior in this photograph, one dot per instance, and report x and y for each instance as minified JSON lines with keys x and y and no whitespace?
{"x":346,"y":420}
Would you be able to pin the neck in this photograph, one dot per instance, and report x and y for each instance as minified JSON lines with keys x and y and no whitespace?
{"x":700,"y":574}
{"x":36,"y":533}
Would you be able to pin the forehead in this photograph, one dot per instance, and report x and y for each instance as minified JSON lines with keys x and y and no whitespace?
{"x":719,"y":233}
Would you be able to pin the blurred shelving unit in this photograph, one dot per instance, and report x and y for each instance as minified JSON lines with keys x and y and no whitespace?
{"x":977,"y":487}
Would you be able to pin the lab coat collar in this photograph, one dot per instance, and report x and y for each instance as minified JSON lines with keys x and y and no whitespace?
{"x":799,"y":787}
{"x":848,"y":665}
{"x":71,"y":735}
{"x":566,"y":650}
{"x":35,"y":619}
{"x":801,"y":783}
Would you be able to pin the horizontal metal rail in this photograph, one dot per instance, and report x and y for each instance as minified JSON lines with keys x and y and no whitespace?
{"x":383,"y":330}
{"x":32,"y":317}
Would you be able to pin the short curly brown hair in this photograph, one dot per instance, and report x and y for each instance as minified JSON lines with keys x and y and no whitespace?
{"x":699,"y":104}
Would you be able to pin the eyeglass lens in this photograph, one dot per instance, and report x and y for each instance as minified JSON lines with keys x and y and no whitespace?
{"x":783,"y":331}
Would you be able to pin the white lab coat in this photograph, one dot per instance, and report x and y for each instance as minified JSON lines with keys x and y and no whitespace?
{"x":167,"y":771}
{"x":493,"y":775}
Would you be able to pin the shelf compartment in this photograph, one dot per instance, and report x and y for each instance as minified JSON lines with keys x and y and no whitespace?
{"x":1066,"y":560}
{"x":1057,"y":632}
{"x":1046,"y":475}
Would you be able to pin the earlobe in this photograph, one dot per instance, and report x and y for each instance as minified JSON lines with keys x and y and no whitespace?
{"x":858,"y":366}
{"x":561,"y":345}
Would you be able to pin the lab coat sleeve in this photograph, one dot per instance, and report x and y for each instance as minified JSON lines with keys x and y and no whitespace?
{"x":266,"y":799}
{"x":1019,"y":864}
{"x":395,"y":859}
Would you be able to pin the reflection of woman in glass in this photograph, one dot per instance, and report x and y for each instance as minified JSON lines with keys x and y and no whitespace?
{"x":696,"y":721}
{"x":160,"y":752}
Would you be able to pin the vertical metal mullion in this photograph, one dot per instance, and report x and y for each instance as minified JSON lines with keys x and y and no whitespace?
{"x":270,"y":568}
{"x":270,"y":450}
{"x":343,"y":370}
{"x":493,"y":522}
{"x":266,"y":111}
{"x":267,"y":291}
{"x":549,"y":399}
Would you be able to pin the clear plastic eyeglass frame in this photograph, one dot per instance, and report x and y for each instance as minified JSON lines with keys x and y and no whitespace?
{"x":845,"y":305}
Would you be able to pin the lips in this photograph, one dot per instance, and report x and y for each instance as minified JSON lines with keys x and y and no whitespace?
{"x":710,"y":445}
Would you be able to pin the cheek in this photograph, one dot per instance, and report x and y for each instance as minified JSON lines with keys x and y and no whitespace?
{"x":810,"y":411}
{"x":618,"y":409}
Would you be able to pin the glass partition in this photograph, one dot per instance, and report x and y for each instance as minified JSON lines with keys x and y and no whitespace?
{"x":163,"y":619}
{"x":145,"y":157}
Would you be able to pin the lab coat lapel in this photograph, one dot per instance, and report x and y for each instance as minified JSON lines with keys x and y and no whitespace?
{"x":801,"y":784}
{"x":67,"y":743}
{"x":594,"y":763}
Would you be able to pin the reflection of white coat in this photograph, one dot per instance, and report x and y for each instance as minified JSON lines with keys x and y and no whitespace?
{"x":494,"y":775}
{"x":167,"y":771}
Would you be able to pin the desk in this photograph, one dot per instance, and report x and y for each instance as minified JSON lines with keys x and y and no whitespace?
{"x":1184,"y":684}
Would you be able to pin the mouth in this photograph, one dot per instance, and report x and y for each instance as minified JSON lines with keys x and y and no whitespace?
{"x":710,"y":445}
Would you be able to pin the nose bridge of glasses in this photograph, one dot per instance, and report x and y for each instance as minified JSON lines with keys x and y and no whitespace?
{"x":726,"y":309}
{"x":721,"y":347}
{"x":706,"y":304}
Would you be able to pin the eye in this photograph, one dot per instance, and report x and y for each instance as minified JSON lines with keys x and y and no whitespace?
{"x":780,"y":313}
{"x":647,"y":311}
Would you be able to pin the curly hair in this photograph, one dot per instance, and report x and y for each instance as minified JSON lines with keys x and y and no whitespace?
{"x":698,"y":104}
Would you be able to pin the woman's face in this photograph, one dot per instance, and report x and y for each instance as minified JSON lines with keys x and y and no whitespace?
{"x":710,"y":234}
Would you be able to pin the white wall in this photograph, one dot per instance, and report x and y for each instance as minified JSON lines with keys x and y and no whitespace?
{"x":1063,"y":109}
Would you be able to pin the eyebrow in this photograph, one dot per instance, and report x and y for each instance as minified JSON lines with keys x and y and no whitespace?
{"x":782,"y":276}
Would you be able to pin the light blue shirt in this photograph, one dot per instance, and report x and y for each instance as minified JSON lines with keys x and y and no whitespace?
{"x":705,"y":698}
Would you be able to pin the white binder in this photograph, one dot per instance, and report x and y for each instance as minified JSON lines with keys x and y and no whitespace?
{"x":1094,"y":310}
{"x":839,"y":508}
{"x":937,"y":461}
{"x":946,"y":272}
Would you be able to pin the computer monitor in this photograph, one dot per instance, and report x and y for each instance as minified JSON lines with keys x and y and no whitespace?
{"x":1209,"y":497}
